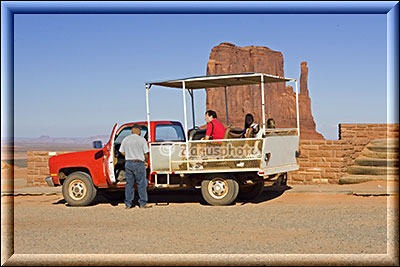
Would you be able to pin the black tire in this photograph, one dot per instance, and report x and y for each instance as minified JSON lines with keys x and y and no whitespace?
{"x":251,"y":191}
{"x":78,"y":189}
{"x":219,"y":190}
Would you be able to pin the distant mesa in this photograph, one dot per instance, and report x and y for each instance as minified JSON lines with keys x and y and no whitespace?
{"x":280,"y":100}
{"x":45,"y":139}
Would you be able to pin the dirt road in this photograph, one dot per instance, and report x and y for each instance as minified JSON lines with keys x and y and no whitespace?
{"x":287,"y":223}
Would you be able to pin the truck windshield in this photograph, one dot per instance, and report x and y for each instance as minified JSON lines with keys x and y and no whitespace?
{"x":128,"y":131}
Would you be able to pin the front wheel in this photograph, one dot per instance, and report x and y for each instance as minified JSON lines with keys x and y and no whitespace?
{"x":219,"y":190}
{"x":78,"y":189}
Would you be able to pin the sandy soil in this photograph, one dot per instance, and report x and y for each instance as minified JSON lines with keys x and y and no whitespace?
{"x":287,"y":223}
{"x":7,"y":174}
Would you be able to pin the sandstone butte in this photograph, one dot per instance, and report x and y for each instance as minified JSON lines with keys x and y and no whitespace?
{"x":280,"y":100}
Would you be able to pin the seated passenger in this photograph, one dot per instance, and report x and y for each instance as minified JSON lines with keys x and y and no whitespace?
{"x":270,"y":123}
{"x":215,"y":129}
{"x":251,"y":129}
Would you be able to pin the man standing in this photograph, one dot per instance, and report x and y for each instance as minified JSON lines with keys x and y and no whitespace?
{"x":135,"y":149}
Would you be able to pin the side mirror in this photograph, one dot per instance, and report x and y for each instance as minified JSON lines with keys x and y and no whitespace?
{"x":97,"y":144}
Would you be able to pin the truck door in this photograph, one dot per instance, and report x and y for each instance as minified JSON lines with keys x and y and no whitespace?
{"x":166,"y":135}
{"x":109,"y":160}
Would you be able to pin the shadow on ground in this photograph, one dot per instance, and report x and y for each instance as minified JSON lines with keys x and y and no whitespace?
{"x":163,"y":197}
{"x":269,"y":193}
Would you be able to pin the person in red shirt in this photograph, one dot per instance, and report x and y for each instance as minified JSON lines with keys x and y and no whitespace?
{"x":215,"y":129}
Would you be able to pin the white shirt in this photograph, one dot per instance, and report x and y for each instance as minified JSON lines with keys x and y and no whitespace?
{"x":134,"y":147}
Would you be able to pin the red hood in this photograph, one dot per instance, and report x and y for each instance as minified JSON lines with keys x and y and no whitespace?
{"x":80,"y":158}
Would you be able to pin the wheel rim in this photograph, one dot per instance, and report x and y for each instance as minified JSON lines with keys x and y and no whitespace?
{"x":77,"y":189}
{"x":218,"y":188}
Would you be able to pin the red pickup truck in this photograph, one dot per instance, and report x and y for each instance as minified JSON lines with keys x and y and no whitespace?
{"x":179,"y":157}
{"x":82,"y":174}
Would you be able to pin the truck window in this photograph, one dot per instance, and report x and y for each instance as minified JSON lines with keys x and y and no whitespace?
{"x":169,"y":132}
{"x":128,"y":131}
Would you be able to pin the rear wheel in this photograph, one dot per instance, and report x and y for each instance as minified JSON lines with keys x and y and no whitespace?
{"x":219,"y":189}
{"x":78,"y":189}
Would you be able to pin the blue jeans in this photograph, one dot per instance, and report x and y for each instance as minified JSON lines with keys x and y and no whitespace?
{"x":135,"y":172}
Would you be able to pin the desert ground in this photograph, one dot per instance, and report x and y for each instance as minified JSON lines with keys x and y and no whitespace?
{"x":276,"y":223}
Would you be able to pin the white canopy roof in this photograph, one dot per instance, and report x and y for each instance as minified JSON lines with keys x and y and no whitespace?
{"x":213,"y":81}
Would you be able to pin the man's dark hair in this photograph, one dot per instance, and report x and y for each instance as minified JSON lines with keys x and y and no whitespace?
{"x":211,"y":113}
{"x":135,"y":126}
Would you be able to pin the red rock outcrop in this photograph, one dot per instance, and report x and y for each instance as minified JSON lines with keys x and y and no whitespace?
{"x":280,"y":100}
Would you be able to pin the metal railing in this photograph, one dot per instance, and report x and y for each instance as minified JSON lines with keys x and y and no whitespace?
{"x":205,"y":155}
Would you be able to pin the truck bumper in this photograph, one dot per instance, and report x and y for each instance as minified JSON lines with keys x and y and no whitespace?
{"x":49,"y":181}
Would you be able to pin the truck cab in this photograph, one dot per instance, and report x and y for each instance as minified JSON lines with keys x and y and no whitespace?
{"x":83,"y":173}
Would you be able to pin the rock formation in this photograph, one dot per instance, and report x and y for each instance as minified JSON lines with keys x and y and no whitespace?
{"x":280,"y":99}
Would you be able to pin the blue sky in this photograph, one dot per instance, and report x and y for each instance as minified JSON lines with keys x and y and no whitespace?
{"x":77,"y":75}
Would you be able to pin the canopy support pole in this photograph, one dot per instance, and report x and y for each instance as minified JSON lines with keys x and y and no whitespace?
{"x":148,"y":112}
{"x":148,"y":86}
{"x":297,"y":109}
{"x":226,"y":107}
{"x":185,"y":119}
{"x":191,"y":92}
{"x":263,"y":103}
